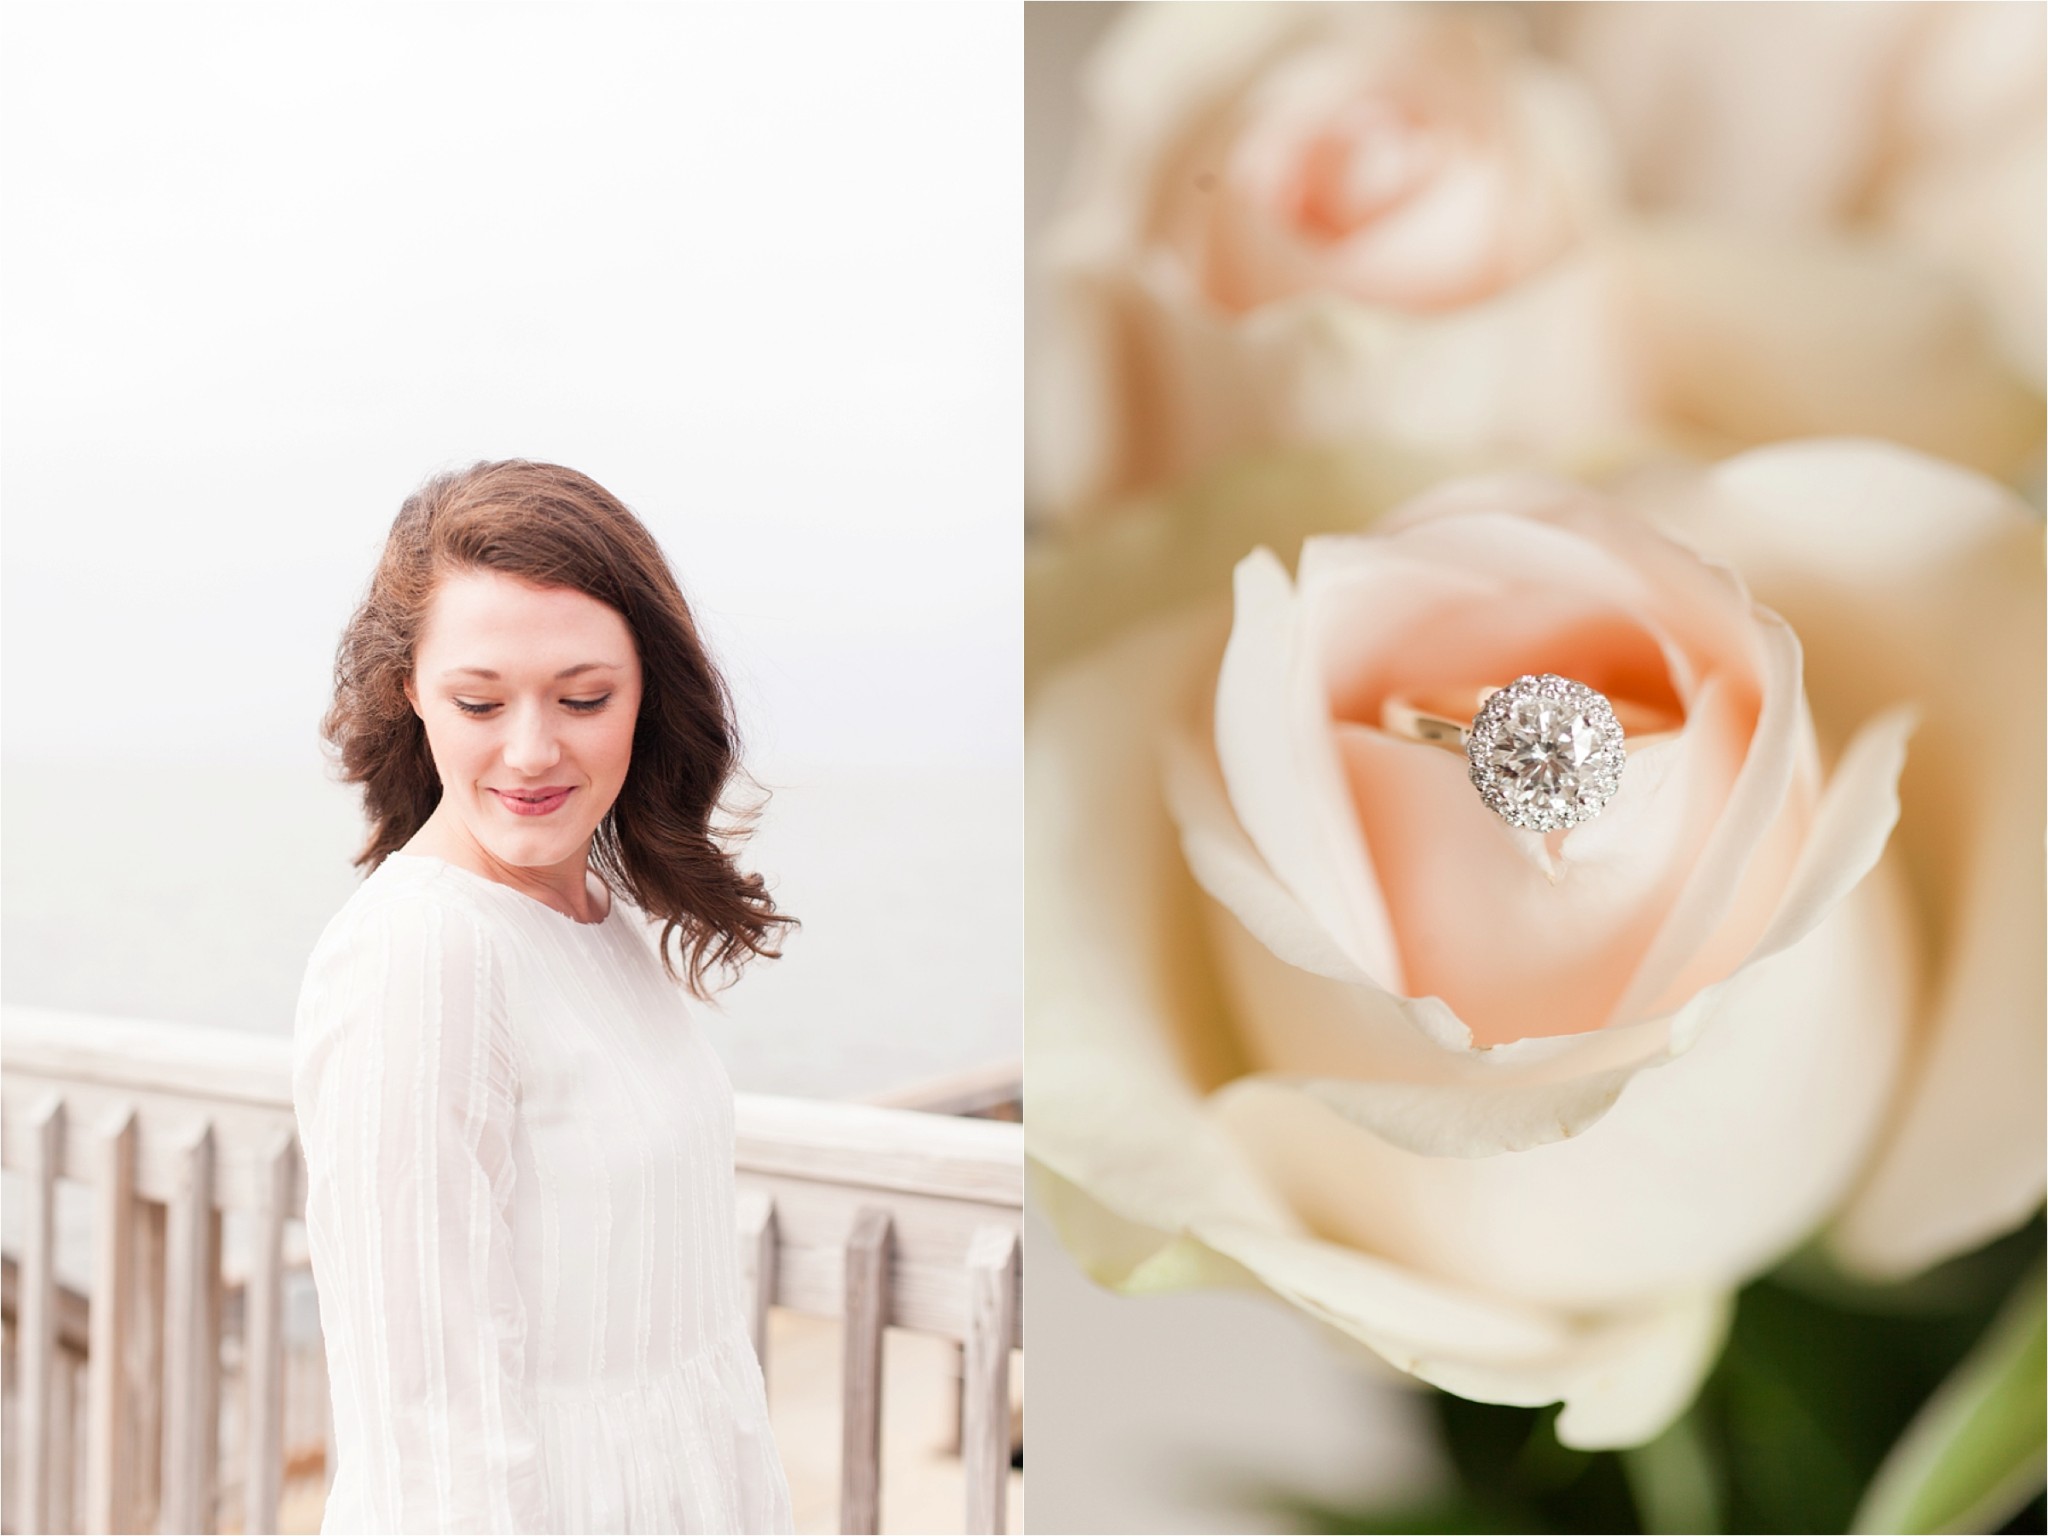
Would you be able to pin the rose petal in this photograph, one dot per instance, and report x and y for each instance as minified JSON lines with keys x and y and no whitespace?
{"x":1763,"y":116}
{"x":1549,"y":534}
{"x":1082,"y":412}
{"x":1294,"y":1024}
{"x":1401,"y":1314}
{"x":1974,"y":194}
{"x":1122,"y":1021}
{"x":1462,"y":212}
{"x":1626,"y":1386}
{"x":1622,"y":1378}
{"x":1627,"y":1382}
{"x":1125,"y":1255}
{"x":1155,"y":67}
{"x":1913,"y":580}
{"x":1460,"y":1119}
{"x":1703,"y":1171}
{"x":1850,"y":829}
{"x":1540,"y":370}
{"x":1920,"y":122}
{"x":1544,"y":370}
{"x":1739,"y":875}
{"x":1286,"y":784}
{"x":1227,"y":866}
{"x":1485,"y":596}
{"x":1749,"y":337}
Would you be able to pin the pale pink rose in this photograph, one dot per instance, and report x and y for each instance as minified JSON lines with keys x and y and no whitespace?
{"x":1336,"y":224}
{"x":1520,"y":1111}
{"x":1745,"y":336}
{"x":1292,"y":223}
{"x":1925,"y":123}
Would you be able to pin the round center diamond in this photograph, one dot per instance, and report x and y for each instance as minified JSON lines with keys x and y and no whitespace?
{"x":1546,"y":752}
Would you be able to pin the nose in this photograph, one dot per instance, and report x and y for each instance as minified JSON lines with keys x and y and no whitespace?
{"x":530,"y":744}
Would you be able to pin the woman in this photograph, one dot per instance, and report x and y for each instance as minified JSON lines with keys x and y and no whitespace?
{"x":519,"y":1146}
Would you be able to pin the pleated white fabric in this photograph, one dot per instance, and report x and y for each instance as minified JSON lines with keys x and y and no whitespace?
{"x":519,"y":1165}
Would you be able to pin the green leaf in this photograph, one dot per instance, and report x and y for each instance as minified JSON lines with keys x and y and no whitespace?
{"x":1977,"y":1449}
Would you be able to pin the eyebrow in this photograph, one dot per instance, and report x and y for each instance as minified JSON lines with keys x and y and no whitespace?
{"x":582,"y":666}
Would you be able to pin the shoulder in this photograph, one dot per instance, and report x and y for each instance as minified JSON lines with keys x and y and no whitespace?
{"x":408,"y":912}
{"x":405,"y":984}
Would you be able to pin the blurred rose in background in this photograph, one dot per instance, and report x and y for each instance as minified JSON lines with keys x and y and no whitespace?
{"x":1918,"y":126}
{"x":1582,"y":237}
{"x":1296,"y":223}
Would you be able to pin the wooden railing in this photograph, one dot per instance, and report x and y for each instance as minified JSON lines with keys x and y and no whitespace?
{"x":880,"y":1217}
{"x":993,"y":1092}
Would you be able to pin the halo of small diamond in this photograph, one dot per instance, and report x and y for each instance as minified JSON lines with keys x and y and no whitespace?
{"x":1545,"y":752}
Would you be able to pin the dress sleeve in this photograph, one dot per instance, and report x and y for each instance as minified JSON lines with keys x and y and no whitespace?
{"x":412,"y":1115}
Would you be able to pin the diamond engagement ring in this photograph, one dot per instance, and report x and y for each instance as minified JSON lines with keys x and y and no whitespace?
{"x":1545,"y":751}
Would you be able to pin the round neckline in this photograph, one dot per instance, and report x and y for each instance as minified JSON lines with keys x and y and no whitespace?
{"x":611,"y":905}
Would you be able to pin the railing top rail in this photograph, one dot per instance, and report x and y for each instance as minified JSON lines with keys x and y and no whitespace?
{"x":823,"y":1141}
{"x":902,"y":1149}
{"x":157,"y":1055}
{"x":970,"y":1091}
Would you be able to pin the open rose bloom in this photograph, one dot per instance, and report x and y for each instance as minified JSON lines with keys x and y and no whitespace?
{"x":1520,"y":1110}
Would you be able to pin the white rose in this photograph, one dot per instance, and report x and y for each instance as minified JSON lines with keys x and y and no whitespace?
{"x":1291,"y":223}
{"x":1923,"y":122}
{"x":1516,"y":1111}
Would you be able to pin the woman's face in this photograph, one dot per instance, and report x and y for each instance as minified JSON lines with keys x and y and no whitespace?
{"x":528,"y":695}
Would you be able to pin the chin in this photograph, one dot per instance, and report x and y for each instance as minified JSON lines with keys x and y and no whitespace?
{"x":537,"y":852}
{"x":533,"y":848}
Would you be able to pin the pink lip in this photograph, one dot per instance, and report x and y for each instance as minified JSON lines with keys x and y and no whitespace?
{"x":537,"y":802}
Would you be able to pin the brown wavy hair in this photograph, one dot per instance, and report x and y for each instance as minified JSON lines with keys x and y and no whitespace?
{"x":658,"y":842}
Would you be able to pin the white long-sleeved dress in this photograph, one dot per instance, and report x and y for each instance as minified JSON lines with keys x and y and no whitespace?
{"x":519,"y":1164}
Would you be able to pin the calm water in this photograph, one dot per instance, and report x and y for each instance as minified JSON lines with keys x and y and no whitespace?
{"x":195,"y":895}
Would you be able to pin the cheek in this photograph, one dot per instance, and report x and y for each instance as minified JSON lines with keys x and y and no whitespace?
{"x":458,"y":754}
{"x":612,"y":744}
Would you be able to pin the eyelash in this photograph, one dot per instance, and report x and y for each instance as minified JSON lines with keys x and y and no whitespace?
{"x":581,"y":706}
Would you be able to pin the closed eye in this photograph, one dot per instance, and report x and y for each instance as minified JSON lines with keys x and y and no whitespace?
{"x":581,"y":706}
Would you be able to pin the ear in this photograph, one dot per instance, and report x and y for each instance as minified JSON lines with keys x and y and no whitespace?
{"x":413,"y":698}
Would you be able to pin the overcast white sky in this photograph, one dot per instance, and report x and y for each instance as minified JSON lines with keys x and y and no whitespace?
{"x":754,"y":268}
